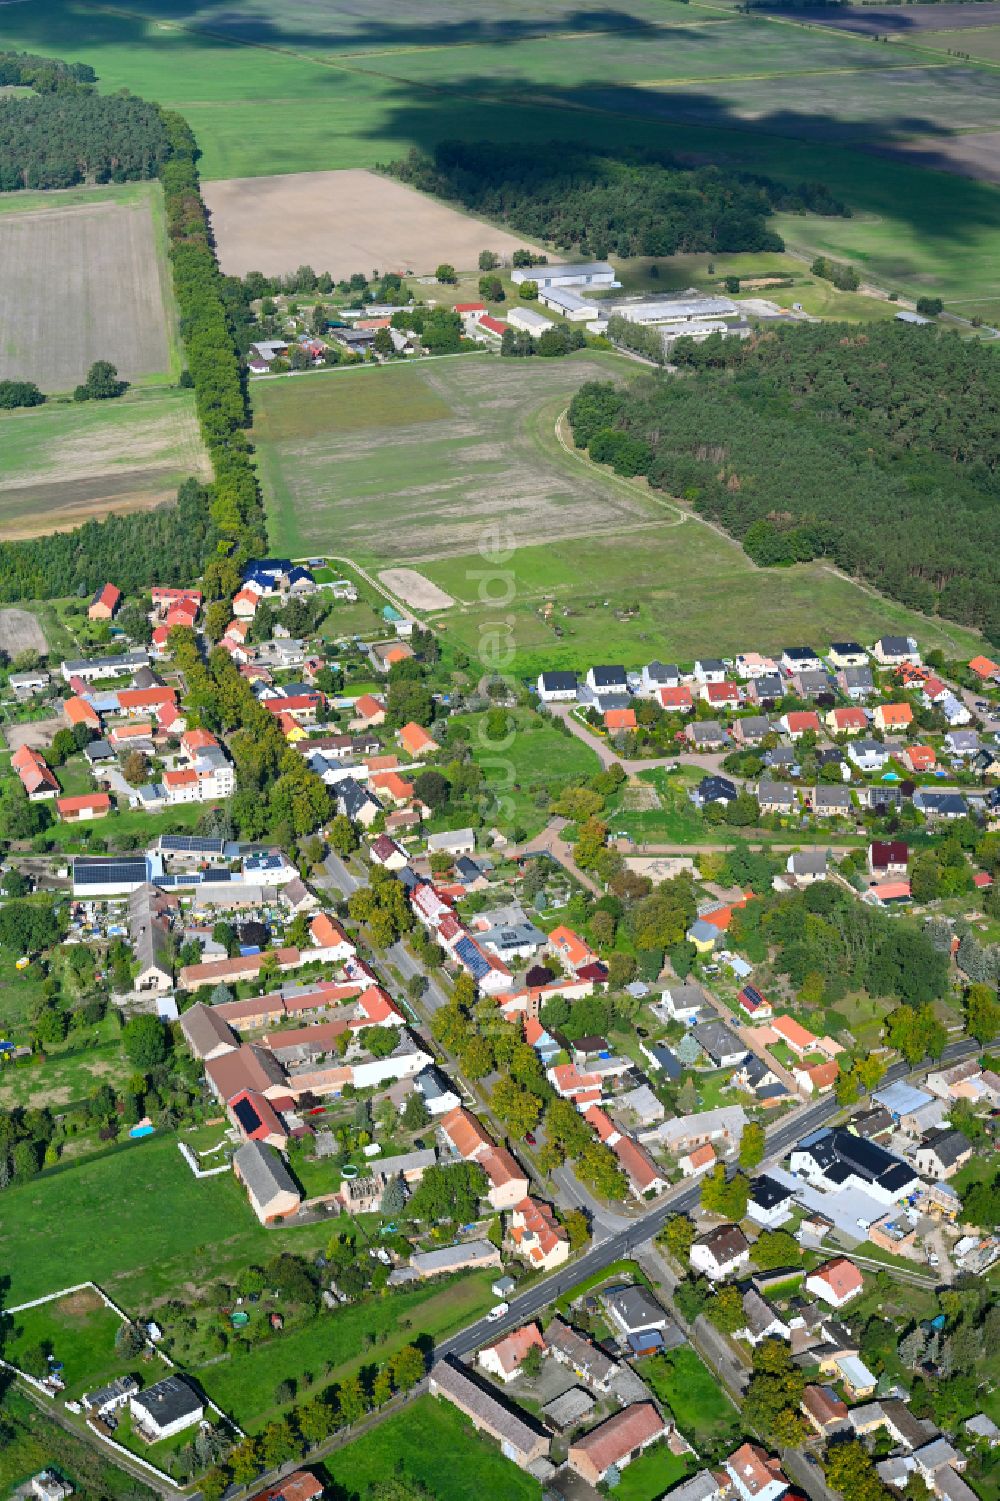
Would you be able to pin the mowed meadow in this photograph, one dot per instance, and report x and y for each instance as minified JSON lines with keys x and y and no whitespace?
{"x":449,"y":462}
{"x":275,"y":87}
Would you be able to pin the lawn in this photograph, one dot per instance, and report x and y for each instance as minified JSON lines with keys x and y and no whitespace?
{"x":168,"y":1227}
{"x":79,"y":1331}
{"x":337,"y":1343}
{"x":70,"y":1072}
{"x":431,"y":1443}
{"x":684,"y":1384}
{"x":654,"y":1472}
{"x":272,"y":87}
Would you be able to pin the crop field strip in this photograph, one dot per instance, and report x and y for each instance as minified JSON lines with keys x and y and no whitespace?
{"x":82,"y":281}
{"x":61,"y":464}
{"x":289,"y":88}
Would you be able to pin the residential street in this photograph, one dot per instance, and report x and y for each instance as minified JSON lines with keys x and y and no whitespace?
{"x":339,"y":878}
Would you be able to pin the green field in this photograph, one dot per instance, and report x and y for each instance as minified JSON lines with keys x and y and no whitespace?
{"x":654,"y":1472}
{"x":685,"y":1385}
{"x":531,"y":757}
{"x":64,"y":462}
{"x":79,"y":1331}
{"x":72,"y":1070}
{"x":432,"y":1443}
{"x":470,"y":464}
{"x":243,"y":1384}
{"x":56,"y":1228}
{"x":292,"y":87}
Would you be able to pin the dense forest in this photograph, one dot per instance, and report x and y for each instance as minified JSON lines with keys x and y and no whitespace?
{"x":874,"y":447}
{"x":603,"y":205}
{"x":65,"y":133}
{"x":167,"y":545}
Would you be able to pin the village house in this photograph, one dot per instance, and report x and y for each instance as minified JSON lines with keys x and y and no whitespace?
{"x":721,"y":1252}
{"x":104,"y":603}
{"x":888,"y":859}
{"x":590,"y":1364}
{"x":942,"y":1153}
{"x":538,"y":1237}
{"x":775,"y":797}
{"x":894,"y":651}
{"x":849,"y":721}
{"x":799,"y":722}
{"x":557,"y":687}
{"x":38,"y":781}
{"x":166,"y":1408}
{"x":519,"y":1440}
{"x":466,"y":1137}
{"x":892,"y":716}
{"x":614,"y":1443}
{"x":269,"y":1185}
{"x":505,"y":1358}
{"x":756,"y":1475}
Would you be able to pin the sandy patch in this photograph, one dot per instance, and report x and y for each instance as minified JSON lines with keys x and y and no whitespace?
{"x":38,"y":733}
{"x":342,"y":222}
{"x":660,"y":867}
{"x":79,"y":1304}
{"x":415,"y":590}
{"x":20,"y":631}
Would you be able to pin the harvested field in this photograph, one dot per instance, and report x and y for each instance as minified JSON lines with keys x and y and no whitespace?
{"x":20,"y":631}
{"x":63,"y":464}
{"x":970,"y":155}
{"x":342,"y":222}
{"x":460,"y":455}
{"x":415,"y":590}
{"x":900,"y":20}
{"x":83,"y":281}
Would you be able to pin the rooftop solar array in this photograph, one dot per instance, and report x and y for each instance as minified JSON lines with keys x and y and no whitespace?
{"x":472,"y":958}
{"x":191,"y":844}
{"x":99,"y":872}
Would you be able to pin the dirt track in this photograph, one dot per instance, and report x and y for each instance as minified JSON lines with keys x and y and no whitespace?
{"x":415,"y":590}
{"x":342,"y":222}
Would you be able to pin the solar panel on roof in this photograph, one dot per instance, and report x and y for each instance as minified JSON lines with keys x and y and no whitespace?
{"x":96,"y":871}
{"x":191,"y":844}
{"x":247,"y":1116}
{"x":471,"y":957}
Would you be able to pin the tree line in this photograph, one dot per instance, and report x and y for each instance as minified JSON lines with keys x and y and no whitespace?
{"x":221,"y":525}
{"x":638,"y":204}
{"x":869,"y":446}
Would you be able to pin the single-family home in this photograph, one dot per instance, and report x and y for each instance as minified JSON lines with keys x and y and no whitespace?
{"x":847,"y":654}
{"x":505,"y":1358}
{"x":721,"y":1044}
{"x":724,"y":695}
{"x":847,"y":721}
{"x":751,"y":665}
{"x":836,"y":1282}
{"x":942,"y":1153}
{"x":104,"y":603}
{"x":795,"y":659}
{"x":894,"y":651}
{"x":573,"y":1349}
{"x":944,"y":805}
{"x":856,"y":683}
{"x":770,"y":1202}
{"x":868,"y":755}
{"x":538,"y":1237}
{"x":557,"y":687}
{"x":698,"y":1160}
{"x":892,"y":716}
{"x":919,"y":759}
{"x":720,"y":1252}
{"x":823,"y":1409}
{"x":808,"y":866}
{"x":775,"y":797}
{"x":799,"y":722}
{"x":709,"y":670}
{"x":888,"y":859}
{"x":830,"y":802}
{"x":603,"y":681}
{"x":755,"y":1474}
{"x":676,"y":699}
{"x":657,"y":675}
{"x":763,"y":1321}
{"x":37,"y":779}
{"x":165,"y":1408}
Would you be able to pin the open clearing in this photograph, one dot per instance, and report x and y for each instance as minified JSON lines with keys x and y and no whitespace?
{"x":64,"y":463}
{"x":460,"y":454}
{"x":469,"y":467}
{"x":413,"y":589}
{"x":83,"y":281}
{"x":343,"y":222}
{"x":20,"y":631}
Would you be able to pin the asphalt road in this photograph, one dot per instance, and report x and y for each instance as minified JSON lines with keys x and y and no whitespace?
{"x":433,"y":997}
{"x":682,"y":1199}
{"x":339,"y":877}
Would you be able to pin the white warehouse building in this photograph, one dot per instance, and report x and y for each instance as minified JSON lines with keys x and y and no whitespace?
{"x":530,"y":321}
{"x":693,"y":307}
{"x":588,"y":274}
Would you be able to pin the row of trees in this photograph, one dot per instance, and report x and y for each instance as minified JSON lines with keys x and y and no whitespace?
{"x":819,"y":441}
{"x":638,"y":204}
